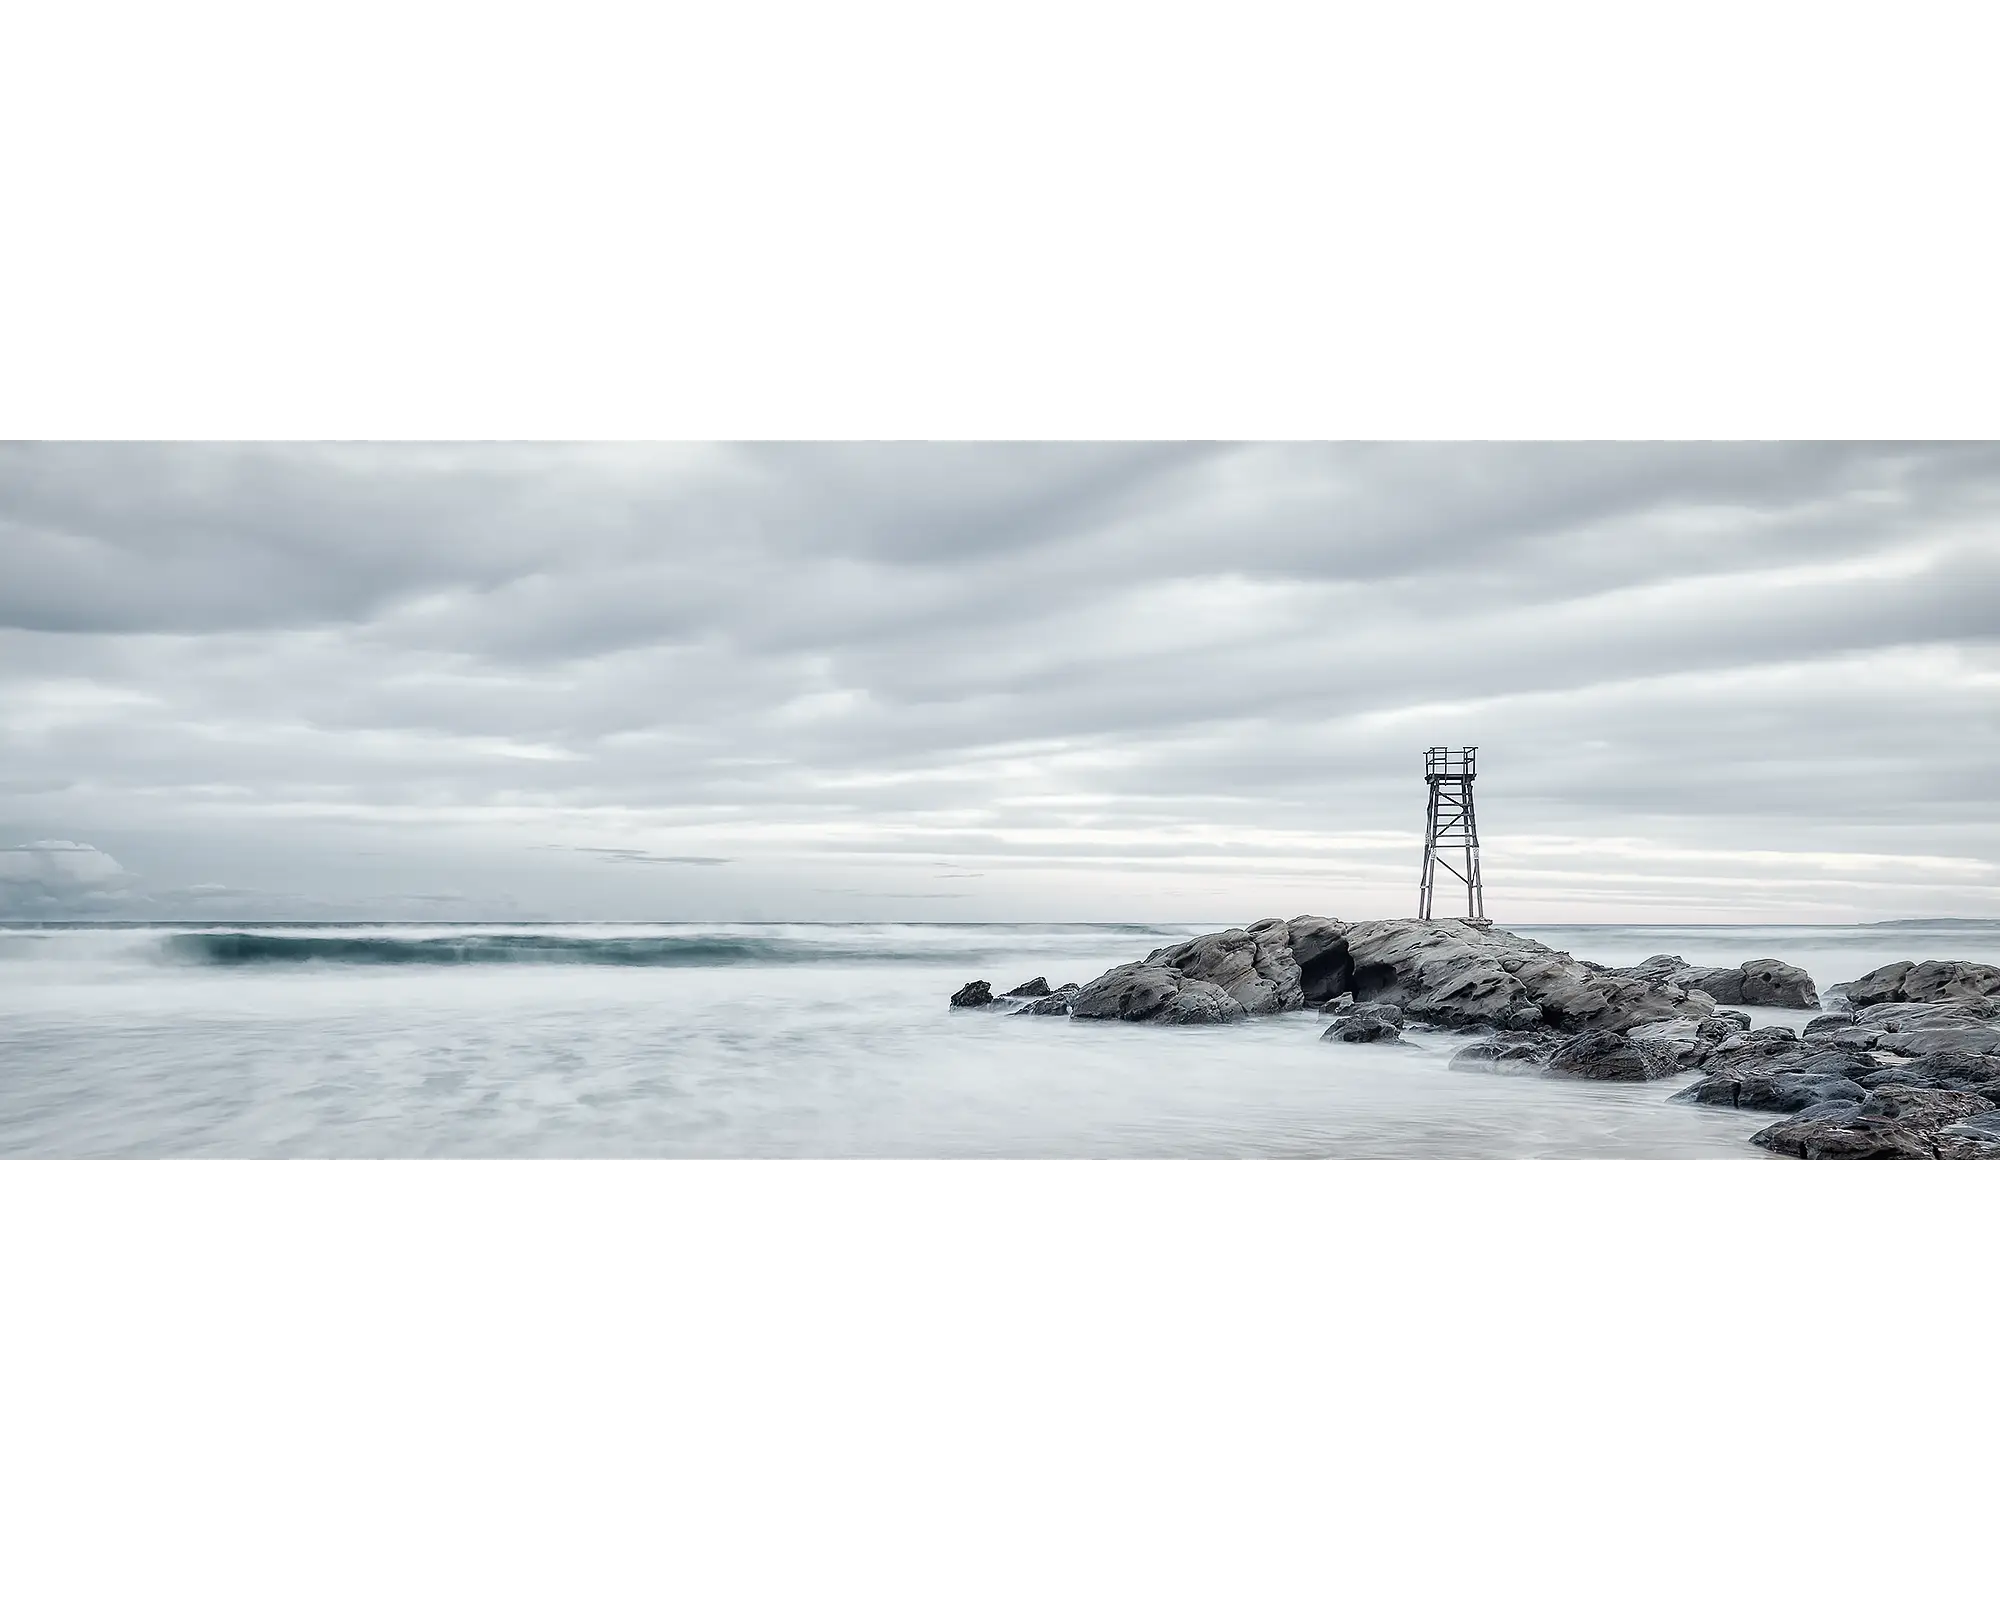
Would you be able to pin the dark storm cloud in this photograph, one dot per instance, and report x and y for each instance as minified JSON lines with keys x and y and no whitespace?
{"x":1089,"y":673}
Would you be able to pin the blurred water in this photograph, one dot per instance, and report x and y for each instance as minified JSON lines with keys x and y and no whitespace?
{"x":795,"y":1040}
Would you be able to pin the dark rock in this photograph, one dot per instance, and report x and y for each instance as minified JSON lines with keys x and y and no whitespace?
{"x":1874,"y":988}
{"x":1199,"y":1002}
{"x":1056,"y":1003}
{"x":1763,"y":982}
{"x":1033,"y":989}
{"x":1924,"y":981}
{"x":1132,"y":993}
{"x":1838,"y":1130}
{"x":1722,"y":1025}
{"x":1319,"y":946}
{"x":1507,"y":1053}
{"x":1953,"y":1144}
{"x":1253,"y":965}
{"x":1614,"y":1057}
{"x":1447,"y":973}
{"x":1142,"y":992}
{"x":1457,"y":974}
{"x":1367,"y":1024}
{"x":1896,"y":1122}
{"x":976,"y":993}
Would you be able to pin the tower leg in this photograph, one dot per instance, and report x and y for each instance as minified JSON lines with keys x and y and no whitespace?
{"x":1430,"y":858}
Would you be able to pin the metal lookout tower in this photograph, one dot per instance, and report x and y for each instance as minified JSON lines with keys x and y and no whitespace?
{"x":1451,"y":828}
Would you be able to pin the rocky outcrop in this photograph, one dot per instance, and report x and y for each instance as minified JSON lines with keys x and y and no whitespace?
{"x":1911,"y":1067}
{"x":1447,"y":974}
{"x":1923,"y":982}
{"x":1460,"y":975}
{"x":1898,"y":1122}
{"x":1894,"y":1080}
{"x":1763,"y":982}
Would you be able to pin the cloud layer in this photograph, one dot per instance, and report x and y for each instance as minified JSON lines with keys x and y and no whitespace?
{"x":1725,"y":681}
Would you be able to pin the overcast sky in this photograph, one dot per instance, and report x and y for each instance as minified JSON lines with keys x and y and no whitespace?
{"x":1734,"y":682}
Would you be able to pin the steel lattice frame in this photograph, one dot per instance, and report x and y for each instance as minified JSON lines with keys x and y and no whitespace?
{"x":1451,"y":829}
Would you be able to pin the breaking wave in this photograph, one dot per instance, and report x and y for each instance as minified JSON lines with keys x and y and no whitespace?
{"x":705,"y":947}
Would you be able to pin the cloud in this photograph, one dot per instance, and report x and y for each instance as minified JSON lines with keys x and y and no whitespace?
{"x":1156,"y":680}
{"x":58,"y":878}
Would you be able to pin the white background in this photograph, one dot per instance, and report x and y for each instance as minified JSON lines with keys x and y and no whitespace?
{"x":1032,"y":220}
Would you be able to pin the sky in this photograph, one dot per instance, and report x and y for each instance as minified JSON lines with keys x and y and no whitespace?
{"x":1182,"y":682}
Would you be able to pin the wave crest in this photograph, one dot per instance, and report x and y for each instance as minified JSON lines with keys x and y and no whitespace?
{"x":234,"y":949}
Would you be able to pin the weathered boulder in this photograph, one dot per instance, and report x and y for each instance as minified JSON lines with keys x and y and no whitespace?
{"x":1259,"y":967}
{"x":1788,"y":1088}
{"x":1055,"y":1003}
{"x":976,"y":993}
{"x":1766,"y":982}
{"x":1199,"y":1002}
{"x":1507,"y":1053}
{"x":1460,"y":975}
{"x":1614,"y":1057}
{"x":1143,"y":992}
{"x":1033,"y":989}
{"x":1372,"y":1023}
{"x":1762,"y":982}
{"x":1134,"y":992}
{"x":1837,"y":1130}
{"x":1924,"y":981}
{"x":1895,"y":1122}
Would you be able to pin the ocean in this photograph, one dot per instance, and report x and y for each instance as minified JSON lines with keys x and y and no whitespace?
{"x":773,"y":1040}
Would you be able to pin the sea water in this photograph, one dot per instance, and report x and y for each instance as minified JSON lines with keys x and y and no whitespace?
{"x":773,"y":1040}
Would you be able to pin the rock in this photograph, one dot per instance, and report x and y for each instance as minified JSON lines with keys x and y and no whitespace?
{"x":976,"y":993}
{"x":1367,"y":1024}
{"x":1319,"y":948}
{"x":1614,"y":1057}
{"x":1981,"y":1125}
{"x":1723,"y":1025}
{"x":1449,"y":973}
{"x":1132,"y":993}
{"x":1033,"y":989}
{"x":1056,"y":1003}
{"x":1456,"y":974}
{"x":1763,"y":982}
{"x":1775,"y":983}
{"x":1951,"y":1144}
{"x":1884,"y":983}
{"x":1838,"y":1131}
{"x":1253,"y":965}
{"x":1896,"y":1122}
{"x":1142,"y":992}
{"x":1924,"y":981}
{"x":1507,"y":1054}
{"x":1199,"y":1002}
